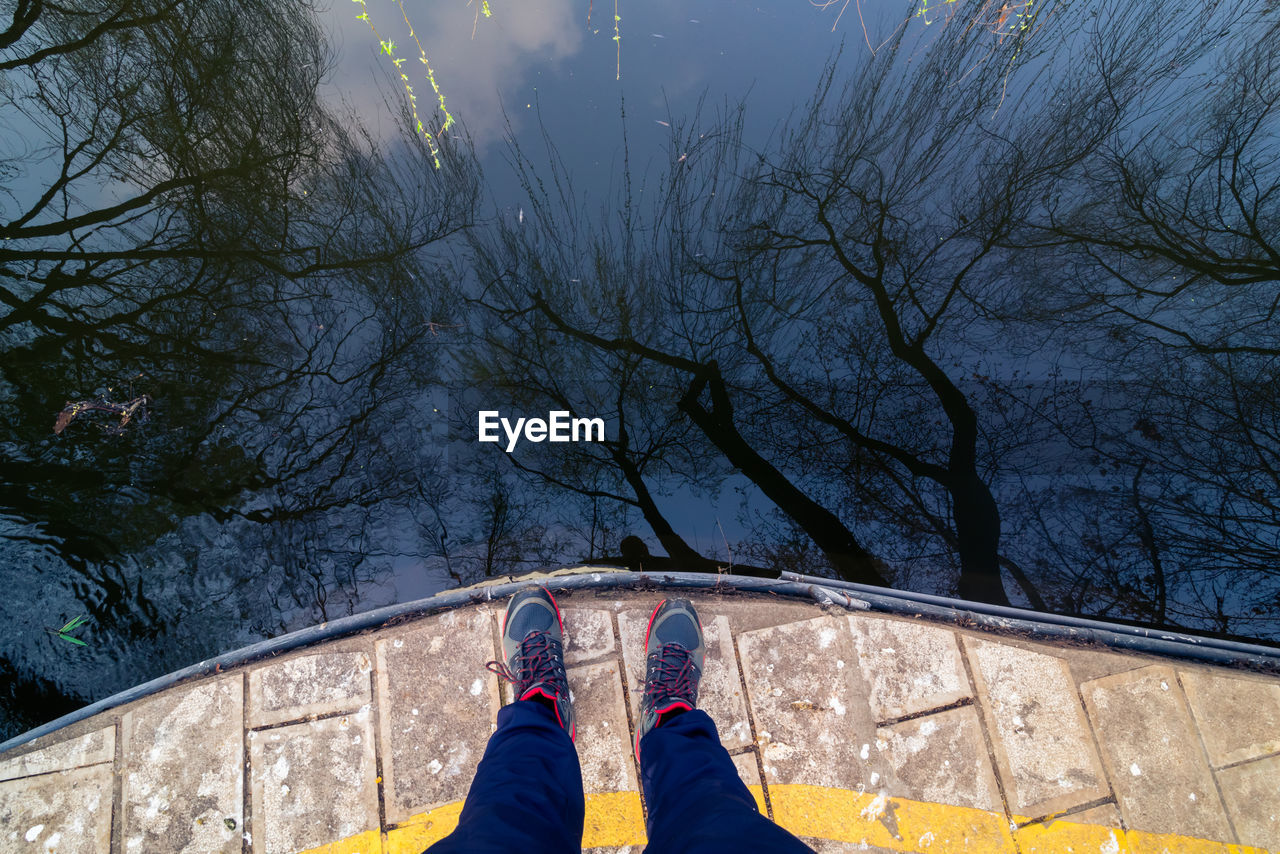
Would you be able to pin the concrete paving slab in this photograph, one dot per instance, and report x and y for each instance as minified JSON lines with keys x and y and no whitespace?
{"x":89,"y":749}
{"x":1238,"y":718}
{"x":67,"y":812}
{"x":1153,"y":754}
{"x":1252,"y":793}
{"x":910,"y":667}
{"x":183,"y":774}
{"x":604,"y":739}
{"x":588,"y":635}
{"x":319,"y":684}
{"x":748,"y":769}
{"x":719,"y":692}
{"x":313,"y":784}
{"x":1044,"y":752}
{"x":749,"y":773}
{"x":436,"y":708}
{"x":942,"y":758}
{"x":812,"y":727}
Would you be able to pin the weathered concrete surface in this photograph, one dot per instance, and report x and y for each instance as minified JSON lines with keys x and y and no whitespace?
{"x":183,"y":776}
{"x":810,"y":725}
{"x":910,"y":667}
{"x":1239,"y":718}
{"x":436,"y":708}
{"x":719,"y":692}
{"x":748,"y":769}
{"x":941,"y":758}
{"x":603,"y":739}
{"x":1153,"y":754}
{"x":68,"y":812}
{"x":89,"y":749}
{"x":588,"y":635}
{"x":313,"y":783}
{"x":317,"y":684}
{"x":1042,"y":744}
{"x":1252,"y":793}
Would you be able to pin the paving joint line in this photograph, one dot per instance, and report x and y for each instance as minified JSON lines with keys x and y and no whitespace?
{"x":751,"y":725}
{"x":956,"y":704}
{"x":116,"y":844}
{"x":1216,"y":768}
{"x":375,"y":715}
{"x":626,"y":703}
{"x":1097,"y":747}
{"x":50,"y":773}
{"x":1204,"y":752}
{"x":246,"y":769}
{"x":988,"y":740}
{"x":1066,"y":814}
{"x":305,"y":719}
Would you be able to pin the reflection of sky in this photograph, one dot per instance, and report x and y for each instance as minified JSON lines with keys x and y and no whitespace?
{"x":540,"y":57}
{"x":540,"y":60}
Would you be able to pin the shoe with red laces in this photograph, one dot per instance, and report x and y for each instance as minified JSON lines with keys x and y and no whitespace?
{"x":533,"y":644}
{"x":674,"y":655}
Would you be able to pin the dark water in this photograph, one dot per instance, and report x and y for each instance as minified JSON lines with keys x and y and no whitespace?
{"x":971,"y":298}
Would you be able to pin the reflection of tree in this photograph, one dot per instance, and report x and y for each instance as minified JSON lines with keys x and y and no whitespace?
{"x":182,"y":216}
{"x":1157,"y":265}
{"x":832,"y":315}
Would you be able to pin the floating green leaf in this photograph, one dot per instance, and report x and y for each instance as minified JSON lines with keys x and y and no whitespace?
{"x":72,"y":625}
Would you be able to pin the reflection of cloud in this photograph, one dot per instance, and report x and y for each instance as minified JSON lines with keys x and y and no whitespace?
{"x":470,"y":72}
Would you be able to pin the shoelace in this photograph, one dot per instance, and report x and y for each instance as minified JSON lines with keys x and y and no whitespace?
{"x":674,"y":676}
{"x":538,"y":663}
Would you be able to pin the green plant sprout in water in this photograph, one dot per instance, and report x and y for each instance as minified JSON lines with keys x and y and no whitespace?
{"x":388,"y":47}
{"x":617,"y":37}
{"x":483,"y":7}
{"x":67,"y":632}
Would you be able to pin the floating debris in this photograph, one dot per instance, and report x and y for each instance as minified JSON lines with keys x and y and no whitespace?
{"x":128,"y":411}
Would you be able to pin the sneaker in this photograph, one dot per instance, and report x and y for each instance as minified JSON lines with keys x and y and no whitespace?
{"x":674,"y":655}
{"x":533,"y":645}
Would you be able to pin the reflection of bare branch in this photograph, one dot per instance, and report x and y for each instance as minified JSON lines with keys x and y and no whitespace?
{"x":126,"y":411}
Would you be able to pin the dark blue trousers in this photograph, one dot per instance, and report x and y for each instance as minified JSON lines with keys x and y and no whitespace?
{"x":527,"y":793}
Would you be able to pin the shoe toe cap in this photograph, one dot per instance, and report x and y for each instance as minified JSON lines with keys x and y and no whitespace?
{"x":531,"y":611}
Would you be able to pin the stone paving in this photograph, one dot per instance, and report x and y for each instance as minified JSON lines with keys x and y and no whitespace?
{"x":858,"y":732}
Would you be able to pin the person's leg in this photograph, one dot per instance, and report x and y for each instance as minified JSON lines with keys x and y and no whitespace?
{"x":697,"y":802}
{"x":527,"y":792}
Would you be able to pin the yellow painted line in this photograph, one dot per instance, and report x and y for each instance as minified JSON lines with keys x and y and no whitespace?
{"x":369,"y":842}
{"x":614,"y":819}
{"x":895,"y":824}
{"x":1064,"y":837}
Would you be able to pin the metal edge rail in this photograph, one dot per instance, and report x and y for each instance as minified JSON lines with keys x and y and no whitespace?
{"x":821,"y":590}
{"x":1164,"y":642}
